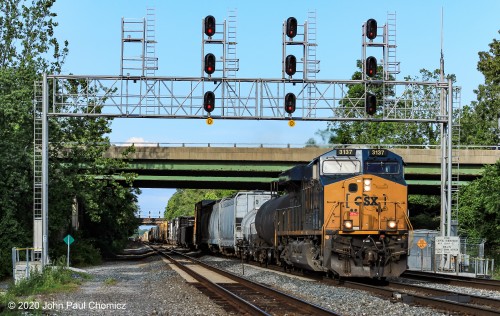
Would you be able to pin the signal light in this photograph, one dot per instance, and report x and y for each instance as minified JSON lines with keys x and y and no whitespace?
{"x":370,"y":103}
{"x":371,"y":66}
{"x":371,"y":29}
{"x":290,"y":101}
{"x":290,"y":65}
{"x":291,"y":27}
{"x":209,"y":101}
{"x":209,"y":25}
{"x":209,"y":63}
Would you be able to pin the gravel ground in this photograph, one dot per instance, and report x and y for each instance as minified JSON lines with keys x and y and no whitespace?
{"x":341,"y":300}
{"x":150,"y":287}
{"x":145,"y":287}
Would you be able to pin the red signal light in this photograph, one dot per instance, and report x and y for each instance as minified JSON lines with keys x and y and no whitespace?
{"x":209,"y":25}
{"x":209,"y":63}
{"x":209,"y":101}
{"x":371,"y":29}
{"x":290,"y":65}
{"x":291,"y":27}
{"x":290,"y":100}
{"x":371,"y":66}
{"x":370,"y":103}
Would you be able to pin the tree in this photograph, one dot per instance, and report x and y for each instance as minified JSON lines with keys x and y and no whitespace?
{"x":27,"y":37}
{"x":361,"y":132}
{"x":479,"y":201}
{"x":479,"y":207}
{"x":486,"y":109}
{"x":29,"y":49}
{"x":183,"y":201}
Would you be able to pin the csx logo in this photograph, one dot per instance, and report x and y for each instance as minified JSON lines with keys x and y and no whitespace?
{"x":365,"y":200}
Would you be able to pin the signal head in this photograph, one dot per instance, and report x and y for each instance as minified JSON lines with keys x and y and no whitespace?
{"x":291,"y":27}
{"x":371,"y":29}
{"x":371,"y":66}
{"x":290,"y":65}
{"x":209,"y":25}
{"x":370,"y":103}
{"x":209,"y":63}
{"x":290,"y":101}
{"x":209,"y":101}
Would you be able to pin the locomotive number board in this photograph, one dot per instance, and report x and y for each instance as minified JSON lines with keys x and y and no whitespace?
{"x":346,"y":152}
{"x":378,"y":152}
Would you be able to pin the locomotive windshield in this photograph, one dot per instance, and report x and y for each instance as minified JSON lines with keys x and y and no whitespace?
{"x":387,"y":167}
{"x":341,"y":166}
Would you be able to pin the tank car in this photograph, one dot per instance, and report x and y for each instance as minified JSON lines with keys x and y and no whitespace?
{"x":344,"y":213}
{"x":219,"y":223}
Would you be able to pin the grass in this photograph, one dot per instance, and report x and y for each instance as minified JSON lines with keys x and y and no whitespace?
{"x":49,"y":280}
{"x":110,"y":281}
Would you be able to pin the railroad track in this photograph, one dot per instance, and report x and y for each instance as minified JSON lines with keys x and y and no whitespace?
{"x":484,"y":284}
{"x":458,"y":303}
{"x":492,"y":303}
{"x":238,"y":295}
{"x":445,"y":300}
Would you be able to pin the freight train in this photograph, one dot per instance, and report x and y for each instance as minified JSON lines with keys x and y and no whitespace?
{"x":345,"y":213}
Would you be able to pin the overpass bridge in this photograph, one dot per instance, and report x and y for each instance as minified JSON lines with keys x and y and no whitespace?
{"x":248,"y":168}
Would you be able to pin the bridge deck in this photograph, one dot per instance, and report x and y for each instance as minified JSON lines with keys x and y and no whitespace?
{"x":256,"y":167}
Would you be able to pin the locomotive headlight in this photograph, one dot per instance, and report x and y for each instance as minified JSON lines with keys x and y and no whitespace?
{"x":391,"y":224}
{"x":348,"y":224}
{"x":367,"y":184}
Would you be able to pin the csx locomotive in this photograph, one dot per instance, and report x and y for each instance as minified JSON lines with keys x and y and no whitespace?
{"x":345,"y":213}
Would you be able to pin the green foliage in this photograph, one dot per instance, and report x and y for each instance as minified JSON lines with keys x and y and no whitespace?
{"x":480,"y":121}
{"x":480,"y":207}
{"x":50,"y":279}
{"x":361,"y":132}
{"x":107,"y":201}
{"x":27,"y":37}
{"x":83,"y":251}
{"x":424,"y":211}
{"x":183,"y":201}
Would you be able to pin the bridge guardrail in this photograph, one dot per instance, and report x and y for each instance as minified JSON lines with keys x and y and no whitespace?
{"x":271,"y":145}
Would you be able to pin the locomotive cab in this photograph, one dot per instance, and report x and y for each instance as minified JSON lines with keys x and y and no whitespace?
{"x":366,"y":220}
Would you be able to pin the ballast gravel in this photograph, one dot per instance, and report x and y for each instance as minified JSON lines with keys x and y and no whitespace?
{"x":150,"y":287}
{"x":142,"y":287}
{"x":338,"y":299}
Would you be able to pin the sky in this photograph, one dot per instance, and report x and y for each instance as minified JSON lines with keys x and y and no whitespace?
{"x":93,"y":29}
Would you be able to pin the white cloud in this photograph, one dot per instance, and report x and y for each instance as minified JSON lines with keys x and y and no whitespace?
{"x":139,"y":142}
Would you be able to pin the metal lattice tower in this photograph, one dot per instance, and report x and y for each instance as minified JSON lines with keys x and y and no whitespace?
{"x":37,"y":168}
{"x":455,"y":178}
{"x":388,"y":44}
{"x":391,"y":65}
{"x":231,"y":62}
{"x":312,"y":67}
{"x":138,"y":58}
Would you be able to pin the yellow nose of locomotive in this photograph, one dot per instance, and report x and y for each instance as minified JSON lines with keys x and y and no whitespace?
{"x":366,"y":204}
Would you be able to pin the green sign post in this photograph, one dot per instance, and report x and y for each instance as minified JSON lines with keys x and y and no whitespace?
{"x":68,"y":240}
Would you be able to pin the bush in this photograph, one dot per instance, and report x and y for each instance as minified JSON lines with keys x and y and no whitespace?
{"x":51,"y":279}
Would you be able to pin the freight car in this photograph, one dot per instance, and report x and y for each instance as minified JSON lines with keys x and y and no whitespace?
{"x":218,"y":223}
{"x":345,"y":213}
{"x":154,"y":234}
{"x":180,"y":231}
